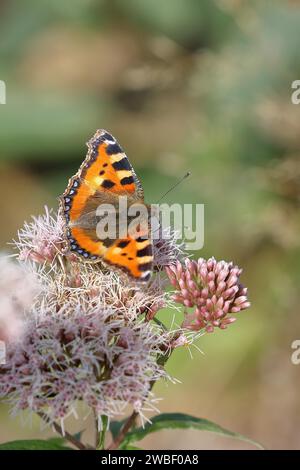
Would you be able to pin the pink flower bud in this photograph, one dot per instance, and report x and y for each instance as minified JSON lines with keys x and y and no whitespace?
{"x":214,"y":288}
{"x":240,"y":300}
{"x":188,"y":303}
{"x":209,"y":329}
{"x":192,"y":286}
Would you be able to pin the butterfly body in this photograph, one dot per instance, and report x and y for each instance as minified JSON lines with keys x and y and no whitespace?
{"x":104,"y":180}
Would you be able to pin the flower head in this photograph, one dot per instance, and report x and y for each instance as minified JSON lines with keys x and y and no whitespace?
{"x":212,"y":289}
{"x":167,"y":249}
{"x":93,"y":356}
{"x":41,"y":239}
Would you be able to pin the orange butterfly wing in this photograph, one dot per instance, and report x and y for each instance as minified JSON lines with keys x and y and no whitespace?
{"x":105,"y":173}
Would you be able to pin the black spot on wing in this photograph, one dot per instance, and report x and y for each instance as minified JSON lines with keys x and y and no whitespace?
{"x":112,"y":149}
{"x":107,"y":184}
{"x":107,"y":242}
{"x":107,"y":136}
{"x":127,"y":180}
{"x":147,"y":251}
{"x":122,"y":164}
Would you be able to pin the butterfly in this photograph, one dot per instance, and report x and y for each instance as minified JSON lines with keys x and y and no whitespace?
{"x":103,"y":178}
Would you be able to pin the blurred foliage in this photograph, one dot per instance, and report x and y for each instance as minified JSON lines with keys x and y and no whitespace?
{"x":184,"y":85}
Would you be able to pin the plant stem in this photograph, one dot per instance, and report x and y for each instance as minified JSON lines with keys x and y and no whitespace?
{"x":124,"y":430}
{"x":65,"y":434}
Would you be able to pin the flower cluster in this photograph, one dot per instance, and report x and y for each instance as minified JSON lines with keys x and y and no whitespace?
{"x":90,"y":356}
{"x":212,"y":289}
{"x":87,"y":333}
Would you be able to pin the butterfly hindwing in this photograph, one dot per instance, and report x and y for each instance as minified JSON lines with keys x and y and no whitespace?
{"x":132,"y":255}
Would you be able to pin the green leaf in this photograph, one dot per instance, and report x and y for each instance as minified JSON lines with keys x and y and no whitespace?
{"x":35,"y":444}
{"x":131,"y":447}
{"x":181,"y":421}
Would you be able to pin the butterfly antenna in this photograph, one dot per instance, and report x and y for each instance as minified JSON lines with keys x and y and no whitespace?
{"x":175,"y":185}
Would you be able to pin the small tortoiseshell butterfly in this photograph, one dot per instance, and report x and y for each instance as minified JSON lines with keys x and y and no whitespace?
{"x":103,"y":177}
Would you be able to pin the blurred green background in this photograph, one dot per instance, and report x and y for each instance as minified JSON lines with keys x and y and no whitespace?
{"x":184,"y":85}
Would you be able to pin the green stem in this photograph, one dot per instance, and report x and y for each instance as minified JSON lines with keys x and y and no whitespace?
{"x":124,"y":430}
